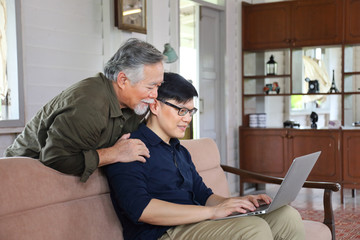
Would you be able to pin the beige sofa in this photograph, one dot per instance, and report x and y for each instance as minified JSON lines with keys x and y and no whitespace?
{"x":37,"y":202}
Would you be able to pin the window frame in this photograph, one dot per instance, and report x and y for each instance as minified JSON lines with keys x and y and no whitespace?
{"x":20,"y":122}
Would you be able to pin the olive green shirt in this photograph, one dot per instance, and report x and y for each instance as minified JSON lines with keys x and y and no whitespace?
{"x":66,"y":132}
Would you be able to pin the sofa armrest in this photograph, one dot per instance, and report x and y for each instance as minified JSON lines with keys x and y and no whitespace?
{"x":328,"y":187}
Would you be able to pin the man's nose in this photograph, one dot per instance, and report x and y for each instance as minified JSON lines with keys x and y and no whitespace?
{"x":187,"y":117}
{"x":153,"y":94}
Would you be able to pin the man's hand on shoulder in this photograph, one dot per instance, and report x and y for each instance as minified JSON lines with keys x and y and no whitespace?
{"x":124,"y":150}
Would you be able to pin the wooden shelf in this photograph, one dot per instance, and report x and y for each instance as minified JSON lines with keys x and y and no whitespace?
{"x":267,"y":76}
{"x":339,"y":93}
{"x":351,"y":73}
{"x":267,"y":95}
{"x":291,"y":94}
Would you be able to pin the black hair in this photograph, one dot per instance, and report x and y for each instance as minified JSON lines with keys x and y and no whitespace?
{"x":177,"y":88}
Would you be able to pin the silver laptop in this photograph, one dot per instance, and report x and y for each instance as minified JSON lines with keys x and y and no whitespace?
{"x":290,"y":186}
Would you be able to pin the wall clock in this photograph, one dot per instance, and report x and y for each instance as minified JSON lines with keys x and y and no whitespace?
{"x":130,"y":15}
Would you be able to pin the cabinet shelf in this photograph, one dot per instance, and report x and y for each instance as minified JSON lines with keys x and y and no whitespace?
{"x":267,"y":95}
{"x":291,"y":94}
{"x":267,"y":76}
{"x":351,"y":73}
{"x":305,"y":94}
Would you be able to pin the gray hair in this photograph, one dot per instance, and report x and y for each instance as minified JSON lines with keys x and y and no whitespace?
{"x":131,"y":58}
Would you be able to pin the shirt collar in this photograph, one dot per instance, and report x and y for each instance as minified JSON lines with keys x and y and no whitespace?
{"x":115,"y":110}
{"x":154,"y":139}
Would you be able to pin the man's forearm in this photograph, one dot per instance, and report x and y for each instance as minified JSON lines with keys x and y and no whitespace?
{"x":104,"y":156}
{"x":214,"y":200}
{"x":164,"y":213}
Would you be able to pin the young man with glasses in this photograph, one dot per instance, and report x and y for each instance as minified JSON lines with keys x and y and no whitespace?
{"x":165,"y":198}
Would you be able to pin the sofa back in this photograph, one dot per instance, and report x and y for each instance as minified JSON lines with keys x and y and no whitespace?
{"x":37,"y":202}
{"x":206,"y":157}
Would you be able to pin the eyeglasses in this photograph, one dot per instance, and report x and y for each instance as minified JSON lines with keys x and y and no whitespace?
{"x":181,"y":111}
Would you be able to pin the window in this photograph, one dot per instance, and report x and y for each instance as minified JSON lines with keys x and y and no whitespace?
{"x":11,"y":83}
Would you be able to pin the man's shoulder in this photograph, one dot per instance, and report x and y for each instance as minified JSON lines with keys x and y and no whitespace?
{"x":86,"y":90}
{"x":137,"y":134}
{"x":144,"y":134}
{"x":95,"y":84}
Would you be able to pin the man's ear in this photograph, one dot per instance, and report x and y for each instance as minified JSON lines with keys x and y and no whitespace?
{"x":121,"y":80}
{"x":155,"y":107}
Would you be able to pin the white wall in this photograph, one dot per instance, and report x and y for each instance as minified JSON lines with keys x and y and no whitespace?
{"x":62,"y":44}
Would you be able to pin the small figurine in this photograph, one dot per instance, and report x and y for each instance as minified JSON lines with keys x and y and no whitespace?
{"x":314,"y":118}
{"x":272,"y":87}
{"x":333,"y":88}
{"x":313,"y":85}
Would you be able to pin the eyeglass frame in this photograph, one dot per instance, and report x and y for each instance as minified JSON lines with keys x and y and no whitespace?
{"x":190,"y":111}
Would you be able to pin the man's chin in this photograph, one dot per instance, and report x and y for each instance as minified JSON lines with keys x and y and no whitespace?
{"x":180,"y":135}
{"x":141,"y":108}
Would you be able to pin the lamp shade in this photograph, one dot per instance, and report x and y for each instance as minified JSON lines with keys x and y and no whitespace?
{"x":169,"y":53}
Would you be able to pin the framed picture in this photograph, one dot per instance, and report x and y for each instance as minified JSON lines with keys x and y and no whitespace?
{"x":130,"y":15}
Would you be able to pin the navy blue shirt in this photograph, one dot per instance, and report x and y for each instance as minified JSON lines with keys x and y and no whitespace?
{"x":169,"y":175}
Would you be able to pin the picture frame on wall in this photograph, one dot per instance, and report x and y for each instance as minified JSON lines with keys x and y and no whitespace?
{"x":130,"y":15}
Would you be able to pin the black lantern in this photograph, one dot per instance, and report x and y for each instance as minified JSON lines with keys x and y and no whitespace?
{"x":271,"y":66}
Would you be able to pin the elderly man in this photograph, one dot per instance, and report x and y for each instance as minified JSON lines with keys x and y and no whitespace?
{"x":87,"y":125}
{"x":165,"y":198}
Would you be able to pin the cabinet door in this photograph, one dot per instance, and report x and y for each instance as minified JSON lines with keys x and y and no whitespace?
{"x":263,"y":151}
{"x":351,"y":156}
{"x":266,"y":26}
{"x":327,"y":167}
{"x":317,"y":22}
{"x":352,"y":21}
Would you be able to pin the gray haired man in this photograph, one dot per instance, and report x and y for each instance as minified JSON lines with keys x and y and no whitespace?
{"x":88,"y":124}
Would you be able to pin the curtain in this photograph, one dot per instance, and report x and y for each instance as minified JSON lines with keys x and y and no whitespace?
{"x":315,"y":69}
{"x":3,"y":50}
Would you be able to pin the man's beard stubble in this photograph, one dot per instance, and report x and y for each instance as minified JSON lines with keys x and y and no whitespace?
{"x":143,"y":106}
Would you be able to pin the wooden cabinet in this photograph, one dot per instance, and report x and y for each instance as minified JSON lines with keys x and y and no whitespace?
{"x":266,"y":25}
{"x":265,"y":151}
{"x":352,"y":21}
{"x":291,"y":31}
{"x":351,"y":158}
{"x":271,"y":151}
{"x":292,"y":24}
{"x":328,"y":166}
{"x":317,"y":22}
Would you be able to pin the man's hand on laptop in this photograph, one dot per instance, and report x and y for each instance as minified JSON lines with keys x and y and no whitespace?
{"x":239,"y":204}
{"x":259,"y":199}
